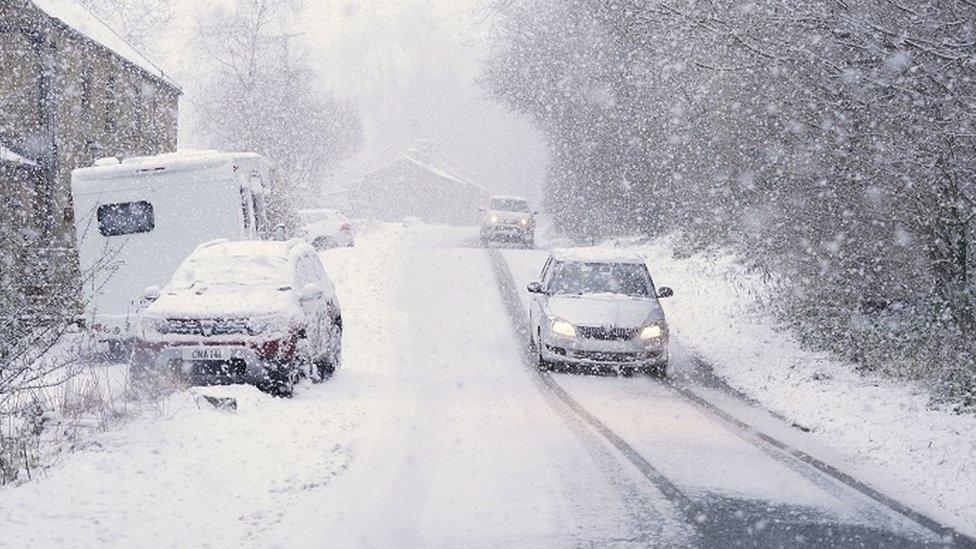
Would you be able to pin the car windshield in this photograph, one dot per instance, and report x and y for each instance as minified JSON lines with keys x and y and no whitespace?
{"x":577,"y":278}
{"x":509,"y":205}
{"x":230,"y":273}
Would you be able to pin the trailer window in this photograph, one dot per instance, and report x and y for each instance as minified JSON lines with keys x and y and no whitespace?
{"x":125,"y":218}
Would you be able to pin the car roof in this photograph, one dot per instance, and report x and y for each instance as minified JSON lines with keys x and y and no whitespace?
{"x":508,"y":197}
{"x":596,"y":255}
{"x":258,"y":249}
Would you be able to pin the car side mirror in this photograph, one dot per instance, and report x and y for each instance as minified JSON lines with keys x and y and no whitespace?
{"x":535,"y":288}
{"x":151,"y":294}
{"x":310,"y":292}
{"x":664,"y":291}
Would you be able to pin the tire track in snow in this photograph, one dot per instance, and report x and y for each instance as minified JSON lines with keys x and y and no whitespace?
{"x":792,"y":457}
{"x":808,"y":466}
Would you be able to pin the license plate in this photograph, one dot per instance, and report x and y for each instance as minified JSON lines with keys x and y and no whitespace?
{"x":207,"y":353}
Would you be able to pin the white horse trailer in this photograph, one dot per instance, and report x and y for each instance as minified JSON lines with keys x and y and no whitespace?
{"x":137,"y":219}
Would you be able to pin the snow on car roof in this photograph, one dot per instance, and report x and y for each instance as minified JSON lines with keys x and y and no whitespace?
{"x":508,"y":197}
{"x":596,"y":255}
{"x":271,"y":250}
{"x":81,"y":20}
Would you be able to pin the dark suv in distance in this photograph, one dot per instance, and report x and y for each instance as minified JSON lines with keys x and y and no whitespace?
{"x":510,"y":219}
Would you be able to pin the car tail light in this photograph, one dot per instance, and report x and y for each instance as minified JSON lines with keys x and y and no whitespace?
{"x":344,"y":227}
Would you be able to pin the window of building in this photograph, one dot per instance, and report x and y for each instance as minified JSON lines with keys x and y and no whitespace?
{"x":125,"y":218}
{"x":110,"y":105}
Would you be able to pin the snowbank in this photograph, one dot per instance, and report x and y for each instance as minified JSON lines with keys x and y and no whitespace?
{"x":887,"y":425}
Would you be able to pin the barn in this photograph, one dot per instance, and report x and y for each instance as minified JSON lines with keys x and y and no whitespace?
{"x":415,"y":183}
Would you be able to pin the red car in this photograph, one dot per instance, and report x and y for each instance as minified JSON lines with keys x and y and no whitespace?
{"x":264,"y":313}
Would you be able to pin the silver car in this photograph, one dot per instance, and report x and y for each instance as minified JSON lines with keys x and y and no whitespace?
{"x":598,"y":309}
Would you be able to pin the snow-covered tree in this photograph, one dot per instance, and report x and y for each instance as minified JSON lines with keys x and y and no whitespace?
{"x":259,"y":94}
{"x":832,"y":144}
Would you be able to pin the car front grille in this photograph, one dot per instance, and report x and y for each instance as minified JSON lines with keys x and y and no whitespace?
{"x":606,"y":356}
{"x":207,"y":326}
{"x":606,"y":333}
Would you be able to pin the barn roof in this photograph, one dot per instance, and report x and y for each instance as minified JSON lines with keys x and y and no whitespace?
{"x":80,"y":19}
{"x":423,"y":157}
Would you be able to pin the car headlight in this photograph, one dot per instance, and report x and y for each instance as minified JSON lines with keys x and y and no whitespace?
{"x":563,"y":328}
{"x":525,"y":222}
{"x":653,"y":331}
{"x":160,"y":325}
{"x":493,"y":219}
{"x":257,"y":326}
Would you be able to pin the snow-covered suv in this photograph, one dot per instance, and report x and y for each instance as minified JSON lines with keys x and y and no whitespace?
{"x":259,"y":312}
{"x":508,"y":218}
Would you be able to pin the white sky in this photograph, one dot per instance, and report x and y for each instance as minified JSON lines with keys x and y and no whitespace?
{"x":411,"y":67}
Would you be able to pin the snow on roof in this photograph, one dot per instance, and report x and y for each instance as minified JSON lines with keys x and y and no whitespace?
{"x":436,"y":170}
{"x":8,"y":155}
{"x":101,"y":177}
{"x":509,"y":197}
{"x":420,"y":154}
{"x":596,"y":255}
{"x":269,"y":251}
{"x":83,"y":21}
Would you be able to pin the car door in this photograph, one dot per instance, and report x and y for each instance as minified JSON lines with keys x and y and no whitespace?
{"x":331,"y":312}
{"x":304,"y":271}
{"x":537,"y":301}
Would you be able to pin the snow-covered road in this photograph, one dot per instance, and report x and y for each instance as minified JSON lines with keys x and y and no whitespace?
{"x":436,"y":432}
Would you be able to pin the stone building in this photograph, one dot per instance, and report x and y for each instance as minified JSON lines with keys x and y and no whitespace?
{"x":71,"y":91}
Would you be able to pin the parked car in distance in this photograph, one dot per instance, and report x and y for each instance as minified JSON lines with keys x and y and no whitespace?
{"x":508,"y":218}
{"x":598,"y":309}
{"x":137,"y":219}
{"x":325,"y":229}
{"x":257,"y":312}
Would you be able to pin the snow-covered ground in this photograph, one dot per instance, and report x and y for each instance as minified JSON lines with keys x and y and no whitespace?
{"x":889,"y":430}
{"x":431,"y":434}
{"x":435,"y":432}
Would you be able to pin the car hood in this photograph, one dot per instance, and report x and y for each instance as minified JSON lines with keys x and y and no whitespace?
{"x":605,"y":310}
{"x":214,"y":304}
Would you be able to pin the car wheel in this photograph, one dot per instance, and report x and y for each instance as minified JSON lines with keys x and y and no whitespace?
{"x":118,"y":351}
{"x":659,"y":370}
{"x":328,"y":365}
{"x":542,"y":364}
{"x":281,"y":382}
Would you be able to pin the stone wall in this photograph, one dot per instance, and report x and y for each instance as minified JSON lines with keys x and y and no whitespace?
{"x":96,"y":103}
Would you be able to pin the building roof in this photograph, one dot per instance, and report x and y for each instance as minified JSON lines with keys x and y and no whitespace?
{"x":7,"y":155}
{"x":80,"y":19}
{"x":419,"y":153}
